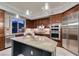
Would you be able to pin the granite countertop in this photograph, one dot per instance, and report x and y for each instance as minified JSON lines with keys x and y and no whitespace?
{"x":40,"y":42}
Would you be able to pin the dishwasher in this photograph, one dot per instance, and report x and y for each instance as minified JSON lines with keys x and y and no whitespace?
{"x":8,"y":41}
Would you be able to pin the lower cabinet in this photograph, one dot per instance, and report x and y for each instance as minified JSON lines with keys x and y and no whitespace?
{"x":2,"y":46}
{"x":27,"y":50}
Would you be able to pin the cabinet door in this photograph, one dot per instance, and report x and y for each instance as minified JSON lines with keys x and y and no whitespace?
{"x":1,"y":43}
{"x":1,"y":16}
{"x":1,"y":29}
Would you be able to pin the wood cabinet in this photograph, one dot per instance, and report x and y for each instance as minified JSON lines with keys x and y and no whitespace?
{"x":45,"y":21}
{"x":1,"y":16}
{"x":29,"y":24}
{"x":38,"y":22}
{"x":2,"y":42}
{"x":56,"y":18}
{"x":72,"y":10}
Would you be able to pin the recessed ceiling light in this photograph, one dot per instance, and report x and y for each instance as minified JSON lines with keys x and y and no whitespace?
{"x":17,"y":16}
{"x":27,"y":12}
{"x":46,"y":6}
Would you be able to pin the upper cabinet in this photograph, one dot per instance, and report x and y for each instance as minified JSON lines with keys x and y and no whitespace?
{"x":1,"y":15}
{"x":44,"y":21}
{"x":1,"y":21}
{"x":29,"y":24}
{"x":72,"y":10}
{"x":56,"y":18}
{"x":38,"y":22}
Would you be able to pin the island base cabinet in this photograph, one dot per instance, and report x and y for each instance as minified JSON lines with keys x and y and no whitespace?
{"x":26,"y":50}
{"x":31,"y":51}
{"x":16,"y":48}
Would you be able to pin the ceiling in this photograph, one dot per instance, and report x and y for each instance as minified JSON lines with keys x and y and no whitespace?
{"x":36,"y":7}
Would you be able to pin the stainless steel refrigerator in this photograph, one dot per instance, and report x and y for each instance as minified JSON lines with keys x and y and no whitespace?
{"x":70,"y":32}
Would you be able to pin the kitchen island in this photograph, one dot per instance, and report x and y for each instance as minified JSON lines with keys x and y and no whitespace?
{"x":33,"y":46}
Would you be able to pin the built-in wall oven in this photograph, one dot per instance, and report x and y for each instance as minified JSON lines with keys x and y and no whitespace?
{"x":55,"y":31}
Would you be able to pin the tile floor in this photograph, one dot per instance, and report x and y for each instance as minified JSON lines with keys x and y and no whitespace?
{"x":59,"y":52}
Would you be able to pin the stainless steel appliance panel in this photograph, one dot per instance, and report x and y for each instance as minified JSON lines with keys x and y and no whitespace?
{"x":70,"y":32}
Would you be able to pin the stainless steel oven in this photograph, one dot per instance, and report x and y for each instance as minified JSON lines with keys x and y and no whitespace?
{"x":55,"y":31}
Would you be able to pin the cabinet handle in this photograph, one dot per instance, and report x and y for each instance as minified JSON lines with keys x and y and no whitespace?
{"x":31,"y":52}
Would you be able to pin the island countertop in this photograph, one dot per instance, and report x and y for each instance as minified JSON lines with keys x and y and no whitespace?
{"x":40,"y":42}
